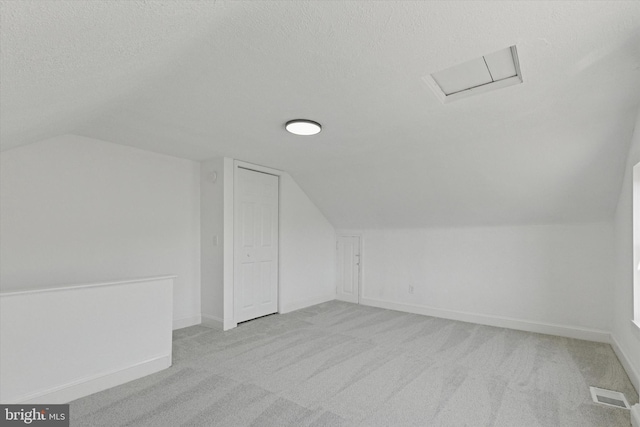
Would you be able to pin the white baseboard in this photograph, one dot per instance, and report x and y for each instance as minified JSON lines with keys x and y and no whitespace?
{"x":635,"y":415}
{"x":212,"y":322}
{"x":632,"y":370}
{"x":83,"y":387}
{"x":288,"y":308}
{"x":185,"y":322}
{"x":501,"y":322}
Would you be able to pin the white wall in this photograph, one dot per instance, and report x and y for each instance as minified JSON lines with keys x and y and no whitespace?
{"x":307,"y":250}
{"x":212,"y":240}
{"x":78,"y":210}
{"x":526,"y":277}
{"x":626,"y":335}
{"x":60,"y":344}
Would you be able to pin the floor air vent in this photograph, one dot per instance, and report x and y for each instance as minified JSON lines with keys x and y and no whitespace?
{"x":609,"y":398}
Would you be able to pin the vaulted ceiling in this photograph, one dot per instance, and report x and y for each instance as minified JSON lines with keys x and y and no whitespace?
{"x":199,"y":79}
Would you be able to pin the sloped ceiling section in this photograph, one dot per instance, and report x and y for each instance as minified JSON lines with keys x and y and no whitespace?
{"x":199,"y":79}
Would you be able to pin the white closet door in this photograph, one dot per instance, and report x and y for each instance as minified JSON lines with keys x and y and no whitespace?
{"x":256,"y":245}
{"x":348,"y":268}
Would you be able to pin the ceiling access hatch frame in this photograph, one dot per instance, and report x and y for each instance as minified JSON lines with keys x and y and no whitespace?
{"x":441,"y":81}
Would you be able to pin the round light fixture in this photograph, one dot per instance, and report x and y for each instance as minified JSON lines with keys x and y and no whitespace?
{"x":303,"y":127}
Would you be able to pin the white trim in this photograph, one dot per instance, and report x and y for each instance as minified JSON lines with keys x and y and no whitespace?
{"x":95,"y":383}
{"x":86,"y":285}
{"x":227,"y":270}
{"x":185,"y":322}
{"x":288,"y":308}
{"x":212,"y":322}
{"x":635,"y":415}
{"x":445,"y":99}
{"x":635,"y":327}
{"x":635,"y":249}
{"x":257,"y":168}
{"x":632,"y":371}
{"x":501,"y":322}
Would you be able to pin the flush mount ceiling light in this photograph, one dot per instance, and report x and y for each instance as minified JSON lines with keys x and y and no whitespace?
{"x":303,"y":127}
{"x":489,"y":72}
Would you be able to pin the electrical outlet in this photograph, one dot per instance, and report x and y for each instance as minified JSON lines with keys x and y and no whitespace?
{"x":410,"y":289}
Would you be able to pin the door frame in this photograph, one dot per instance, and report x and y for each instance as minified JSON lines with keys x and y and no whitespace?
{"x":359,"y":234}
{"x":230,"y":178}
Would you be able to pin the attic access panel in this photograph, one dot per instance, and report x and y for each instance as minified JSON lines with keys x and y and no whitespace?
{"x":489,"y":72}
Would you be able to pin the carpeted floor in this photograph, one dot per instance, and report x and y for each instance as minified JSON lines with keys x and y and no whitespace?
{"x":340,"y":364}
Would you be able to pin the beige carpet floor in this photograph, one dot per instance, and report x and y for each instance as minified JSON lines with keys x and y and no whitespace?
{"x":340,"y":364}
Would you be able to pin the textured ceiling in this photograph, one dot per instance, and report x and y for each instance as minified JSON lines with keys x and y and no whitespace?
{"x":198,"y":79}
